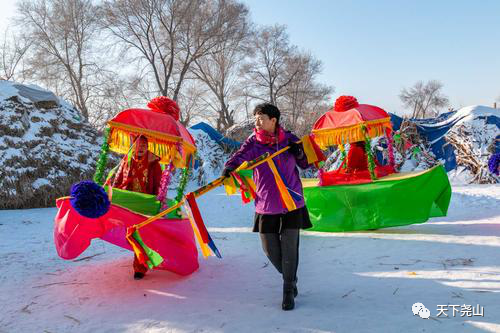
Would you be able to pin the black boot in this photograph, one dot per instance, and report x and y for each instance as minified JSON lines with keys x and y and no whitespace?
{"x":295,"y":290}
{"x":138,"y":275}
{"x":288,"y":296}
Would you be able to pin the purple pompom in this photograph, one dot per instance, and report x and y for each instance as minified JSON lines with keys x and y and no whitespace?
{"x":89,"y":199}
{"x":493,"y":163}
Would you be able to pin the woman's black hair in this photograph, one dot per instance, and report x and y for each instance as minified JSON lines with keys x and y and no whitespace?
{"x":268,"y":109}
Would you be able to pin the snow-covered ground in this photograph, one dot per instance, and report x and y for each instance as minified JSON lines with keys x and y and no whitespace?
{"x":348,"y":282}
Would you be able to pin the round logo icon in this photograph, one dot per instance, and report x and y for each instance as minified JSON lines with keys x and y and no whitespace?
{"x":420,"y":310}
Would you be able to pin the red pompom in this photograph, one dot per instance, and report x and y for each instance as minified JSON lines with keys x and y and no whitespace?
{"x":164,"y":104}
{"x":344,"y":103}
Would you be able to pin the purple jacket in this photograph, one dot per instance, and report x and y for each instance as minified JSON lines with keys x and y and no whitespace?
{"x":267,"y":199}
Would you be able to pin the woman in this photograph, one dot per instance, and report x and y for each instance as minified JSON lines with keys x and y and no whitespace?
{"x":278,"y":227}
{"x":141,"y":174}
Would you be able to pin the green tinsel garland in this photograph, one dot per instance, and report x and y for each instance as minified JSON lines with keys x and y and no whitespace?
{"x":369,"y":155}
{"x":182,"y":187}
{"x":343,"y":155}
{"x":103,"y":159}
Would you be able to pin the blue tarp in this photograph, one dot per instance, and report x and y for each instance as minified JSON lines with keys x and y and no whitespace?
{"x":434,"y":130}
{"x":215,"y":135}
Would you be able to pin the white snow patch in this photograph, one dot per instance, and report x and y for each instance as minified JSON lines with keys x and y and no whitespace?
{"x":40,"y":182}
{"x":468,"y":113}
{"x":7,"y":90}
{"x":460,"y":176}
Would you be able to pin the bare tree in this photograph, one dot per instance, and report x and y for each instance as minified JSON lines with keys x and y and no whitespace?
{"x":304,"y":97}
{"x":108,"y":98}
{"x":13,"y":49}
{"x":266,"y":72}
{"x":425,"y":100}
{"x":219,"y":70}
{"x":280,"y":74}
{"x":63,"y":57}
{"x":191,"y":100}
{"x":165,"y":37}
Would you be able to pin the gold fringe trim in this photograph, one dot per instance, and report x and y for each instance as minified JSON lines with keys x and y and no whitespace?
{"x":149,"y":133}
{"x":162,"y":145}
{"x":339,"y":136}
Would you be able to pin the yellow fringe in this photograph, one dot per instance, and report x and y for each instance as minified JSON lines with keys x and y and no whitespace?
{"x":162,"y":145}
{"x":336,"y":136}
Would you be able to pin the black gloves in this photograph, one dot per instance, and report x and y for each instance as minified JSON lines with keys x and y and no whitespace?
{"x":296,"y":150}
{"x":227,"y":172}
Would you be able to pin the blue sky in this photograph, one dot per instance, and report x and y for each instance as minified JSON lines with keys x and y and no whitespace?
{"x":372,"y":49}
{"x":7,"y":10}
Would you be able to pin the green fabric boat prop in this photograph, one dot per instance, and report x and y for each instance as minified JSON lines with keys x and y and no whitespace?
{"x":395,"y":200}
{"x":141,"y":203}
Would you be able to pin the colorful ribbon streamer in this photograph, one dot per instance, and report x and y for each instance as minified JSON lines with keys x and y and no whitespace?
{"x":146,"y":255}
{"x":205,"y":236}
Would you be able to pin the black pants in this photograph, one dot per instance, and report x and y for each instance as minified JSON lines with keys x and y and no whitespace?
{"x":282,"y":249}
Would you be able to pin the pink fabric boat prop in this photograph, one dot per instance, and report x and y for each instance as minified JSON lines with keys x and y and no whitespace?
{"x":173,"y":239}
